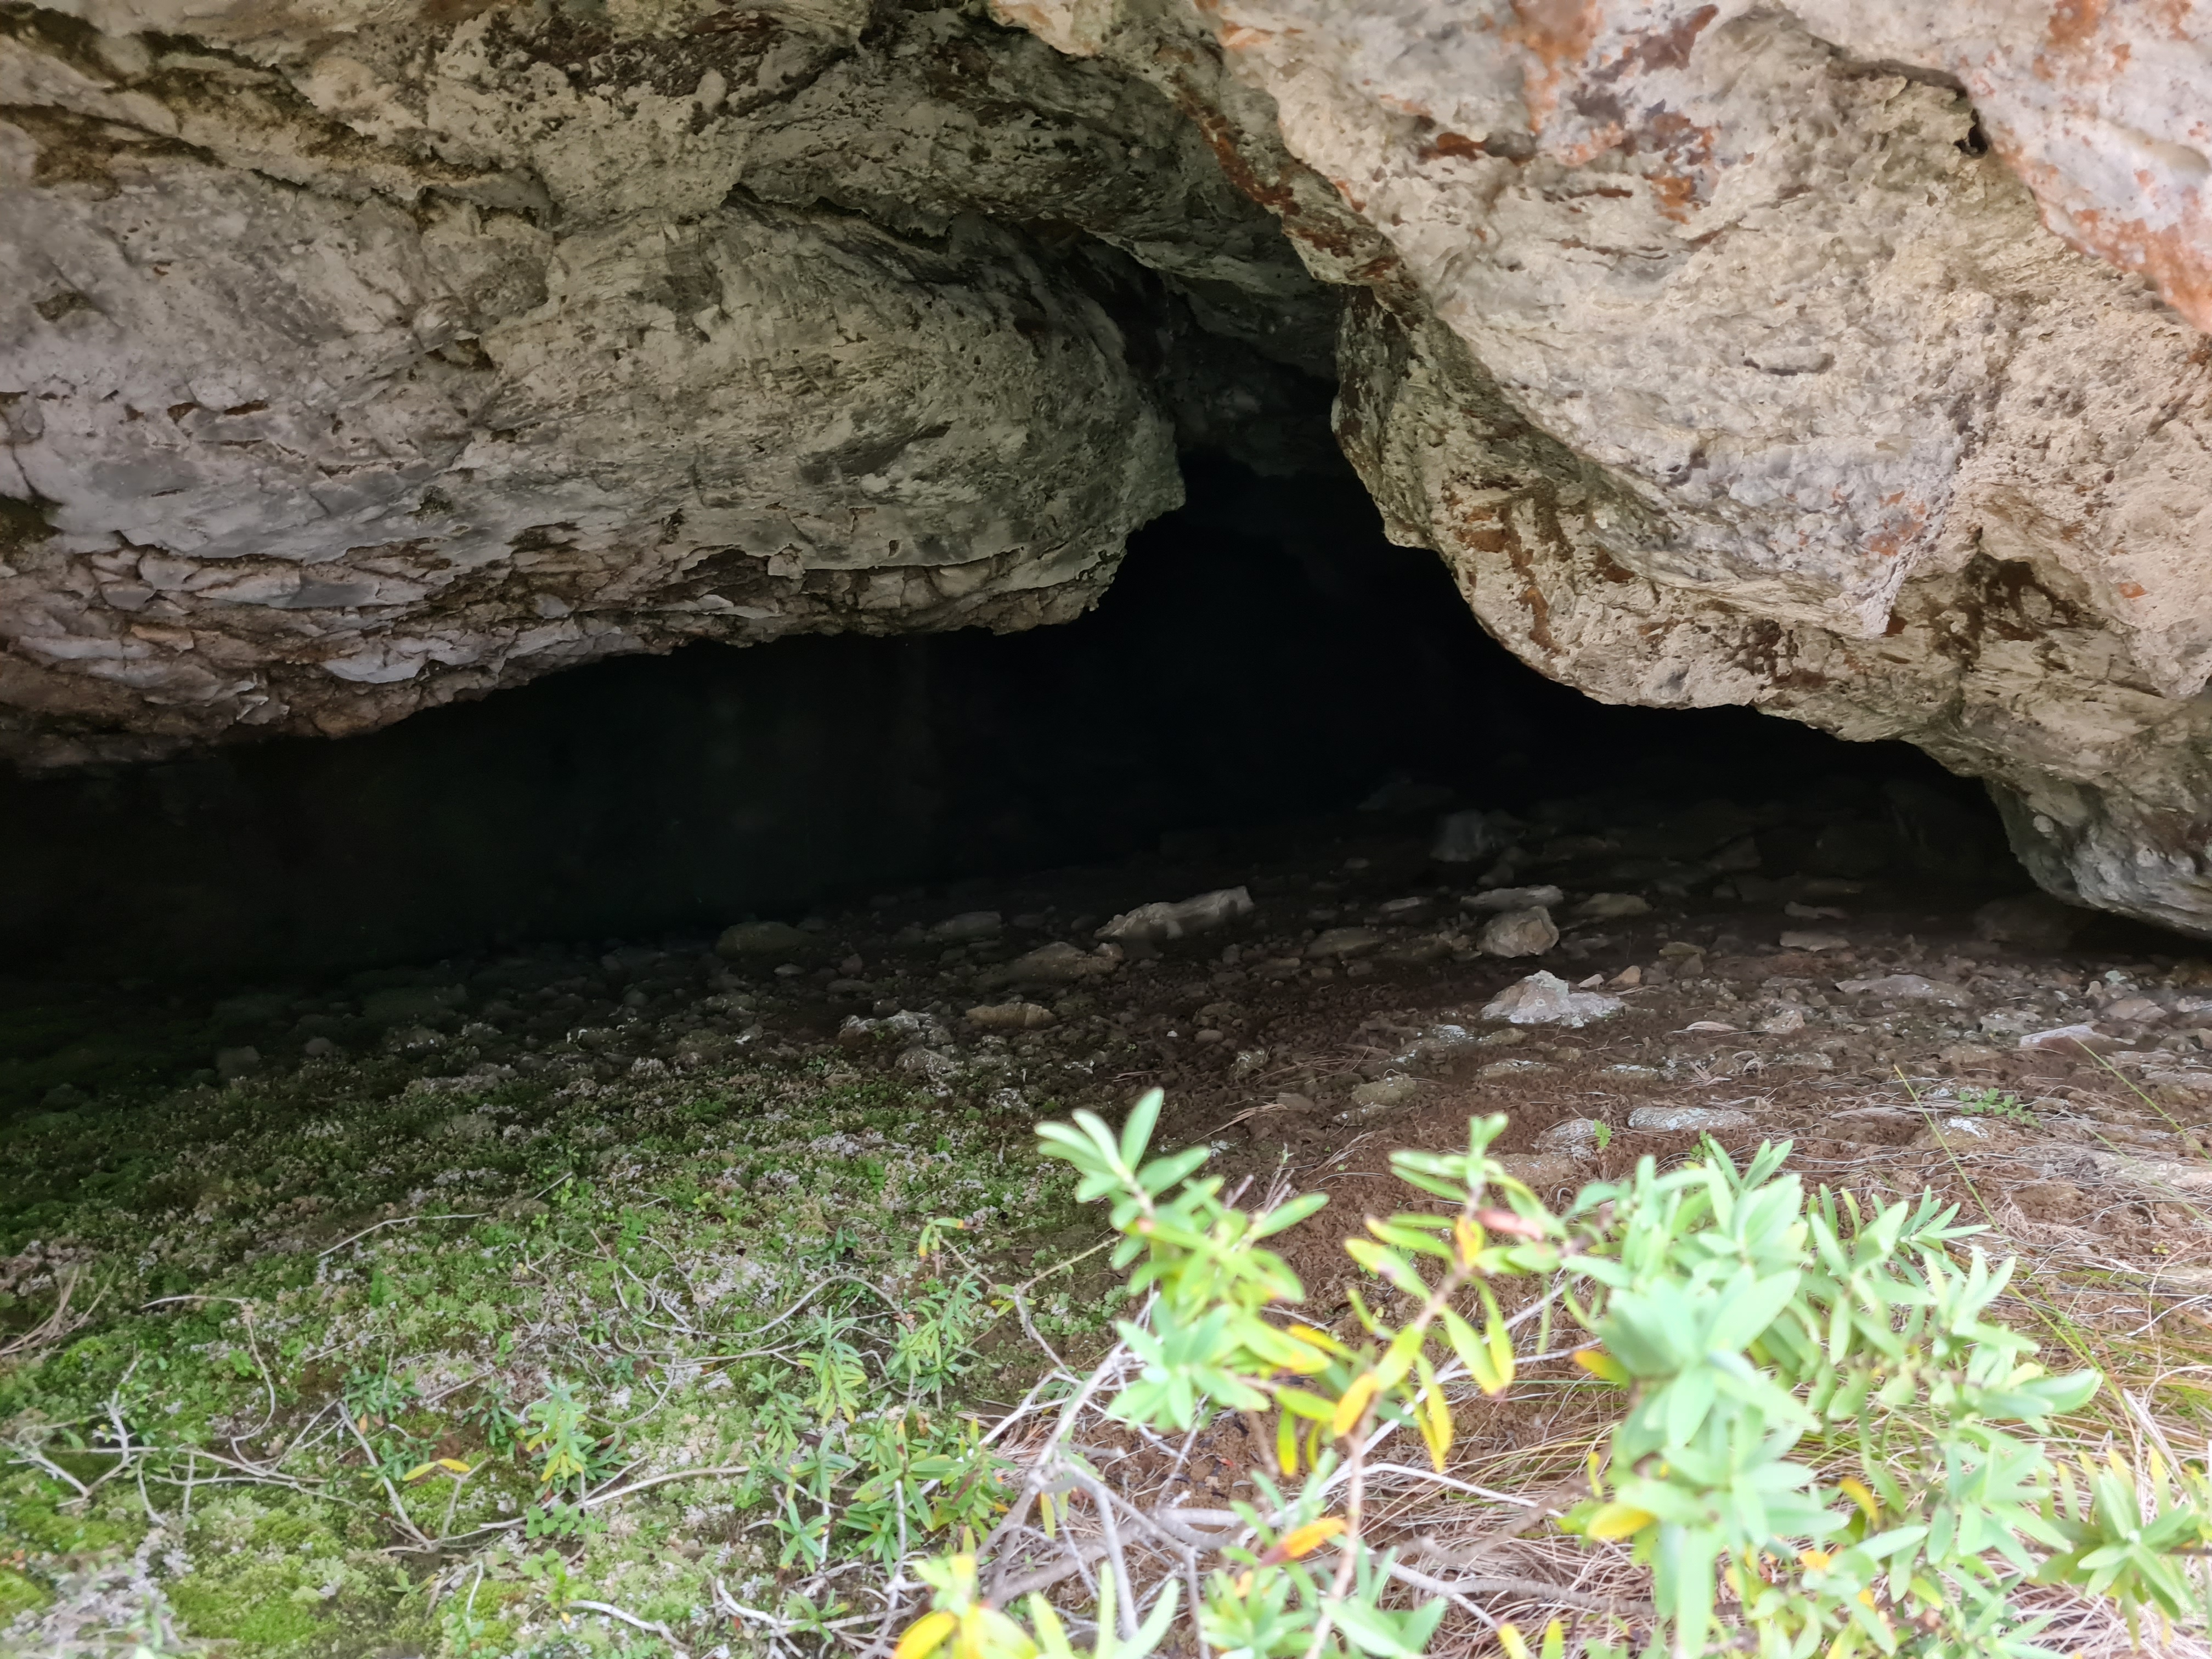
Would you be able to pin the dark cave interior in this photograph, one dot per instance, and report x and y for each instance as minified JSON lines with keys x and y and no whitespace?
{"x":1264,"y":659}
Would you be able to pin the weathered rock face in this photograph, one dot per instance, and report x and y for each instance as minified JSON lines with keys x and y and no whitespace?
{"x":357,"y":362}
{"x":1721,"y":352}
{"x":355,"y":356}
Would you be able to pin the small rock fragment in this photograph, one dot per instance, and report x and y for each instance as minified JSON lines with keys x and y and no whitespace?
{"x":1786,"y":1022}
{"x":1545,"y":1173}
{"x":1525,"y":932}
{"x":1153,"y":923}
{"x":1576,"y":1137}
{"x":1611,"y":907}
{"x":1657,"y":1119}
{"x":761,"y":938}
{"x":1383,"y":1095}
{"x":929,"y":1064}
{"x":1966,"y":1056}
{"x":1906,"y":987}
{"x":1012,"y":1016}
{"x":1544,"y":999}
{"x":2069,"y":1040}
{"x":2135,"y":1011}
{"x":1439,"y":1043}
{"x":1513,"y":898}
{"x":1815,"y":911}
{"x":1424,"y":948}
{"x":1505,"y":1068}
{"x":1344,"y":942}
{"x":903,"y":1027}
{"x":1057,"y":963}
{"x":1799,"y":939}
{"x":1628,"y":978}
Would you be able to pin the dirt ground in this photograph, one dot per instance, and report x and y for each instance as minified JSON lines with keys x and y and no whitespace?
{"x":1842,"y":973}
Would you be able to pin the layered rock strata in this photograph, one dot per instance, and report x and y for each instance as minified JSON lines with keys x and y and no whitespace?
{"x":356,"y":361}
{"x":1841,"y":359}
{"x":1724,"y":352}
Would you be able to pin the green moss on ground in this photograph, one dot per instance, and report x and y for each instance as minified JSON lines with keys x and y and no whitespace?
{"x":360,"y":1362}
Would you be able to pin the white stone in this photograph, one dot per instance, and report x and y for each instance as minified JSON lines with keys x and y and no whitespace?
{"x":1658,"y":1120}
{"x":1162,"y":922}
{"x":1544,"y":999}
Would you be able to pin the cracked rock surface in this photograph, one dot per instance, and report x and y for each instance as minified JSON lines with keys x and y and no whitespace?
{"x":1724,"y":353}
{"x":349,"y":368}
{"x":1840,"y":359}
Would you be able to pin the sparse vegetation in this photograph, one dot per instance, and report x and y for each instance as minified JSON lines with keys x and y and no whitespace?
{"x":1994,"y":1102}
{"x":1826,"y":1444}
{"x":346,"y":1363}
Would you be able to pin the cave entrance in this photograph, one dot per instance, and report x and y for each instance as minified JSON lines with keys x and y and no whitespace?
{"x":1265,"y":665}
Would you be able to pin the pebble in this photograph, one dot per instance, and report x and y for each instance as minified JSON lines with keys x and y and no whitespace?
{"x":1344,"y":942}
{"x":1524,"y":932}
{"x":2068,"y":1040}
{"x":1659,"y":1120}
{"x":1966,"y":1056}
{"x":1154,"y":923}
{"x":1513,"y":898}
{"x":1786,"y":1023}
{"x":1440,"y":1042}
{"x":2135,"y":1011}
{"x":1576,"y":1137}
{"x":1544,"y":999}
{"x":1544,"y":1173}
{"x":903,"y":1028}
{"x":1058,"y":963}
{"x":1611,"y":907}
{"x":1384,"y":1094}
{"x":1504,"y":1068}
{"x":1794,"y":938}
{"x":1906,"y":988}
{"x":760,"y":939}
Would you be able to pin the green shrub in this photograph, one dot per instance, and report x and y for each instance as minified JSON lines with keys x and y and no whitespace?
{"x":1824,"y":1443}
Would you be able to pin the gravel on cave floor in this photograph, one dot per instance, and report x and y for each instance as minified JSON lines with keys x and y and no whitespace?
{"x":338,"y":1159}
